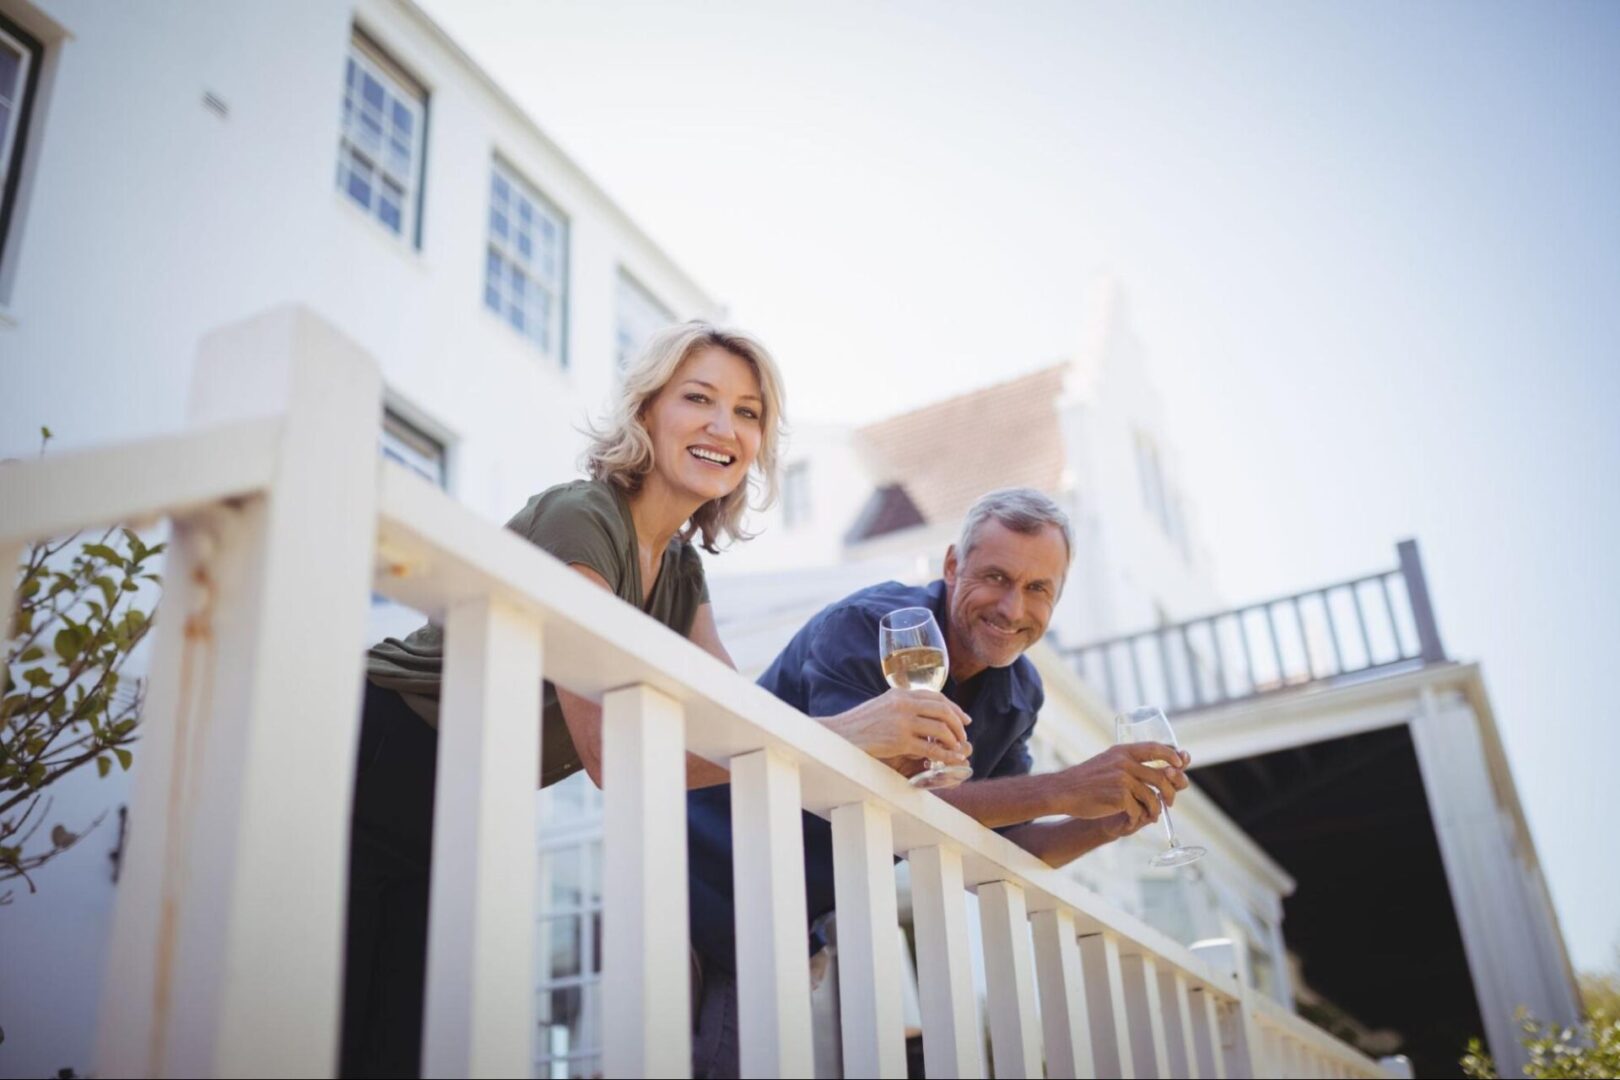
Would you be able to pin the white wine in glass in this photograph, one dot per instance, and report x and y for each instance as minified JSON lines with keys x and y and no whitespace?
{"x":912,"y":651}
{"x":1149,"y":724}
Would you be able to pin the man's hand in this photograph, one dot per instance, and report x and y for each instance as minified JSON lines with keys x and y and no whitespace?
{"x":900,"y":723}
{"x":1120,"y":781}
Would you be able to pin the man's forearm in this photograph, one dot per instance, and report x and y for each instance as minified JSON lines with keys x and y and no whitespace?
{"x":1008,"y":800}
{"x":1058,"y":843}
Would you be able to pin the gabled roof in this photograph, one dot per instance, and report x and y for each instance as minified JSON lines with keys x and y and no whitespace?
{"x":889,"y":510}
{"x":949,"y":453}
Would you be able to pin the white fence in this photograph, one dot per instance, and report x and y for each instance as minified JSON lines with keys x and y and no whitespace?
{"x":226,"y":948}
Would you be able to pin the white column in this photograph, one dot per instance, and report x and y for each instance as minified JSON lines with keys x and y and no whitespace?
{"x":646,"y":968}
{"x":1015,"y":1029}
{"x":1176,"y":1001}
{"x":1063,"y":995}
{"x":950,"y":1015}
{"x":773,"y":963}
{"x":868,"y":963}
{"x":231,"y":908}
{"x":1105,"y":999}
{"x":478,"y":1015}
{"x":1140,"y":974}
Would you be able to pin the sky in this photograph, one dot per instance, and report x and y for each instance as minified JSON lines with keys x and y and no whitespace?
{"x":1373,"y":251}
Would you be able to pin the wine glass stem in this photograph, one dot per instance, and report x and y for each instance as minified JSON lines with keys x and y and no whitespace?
{"x":1169,"y":829}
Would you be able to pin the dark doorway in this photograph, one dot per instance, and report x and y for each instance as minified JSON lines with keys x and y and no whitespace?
{"x":1371,"y":920}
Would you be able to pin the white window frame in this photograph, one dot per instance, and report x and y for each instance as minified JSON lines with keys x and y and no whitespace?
{"x":365,"y":58}
{"x":638,"y":314}
{"x":20,"y":102}
{"x":512,"y":277}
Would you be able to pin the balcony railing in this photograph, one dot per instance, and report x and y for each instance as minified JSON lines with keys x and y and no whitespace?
{"x":1353,"y":629}
{"x":225,"y":955}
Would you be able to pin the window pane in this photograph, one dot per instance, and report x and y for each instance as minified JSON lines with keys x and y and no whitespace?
{"x":372,"y":91}
{"x":563,"y":946}
{"x":565,"y":872}
{"x":360,"y":182}
{"x":402,"y":120}
{"x":10,"y":72}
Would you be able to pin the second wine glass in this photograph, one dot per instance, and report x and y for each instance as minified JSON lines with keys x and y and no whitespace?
{"x":912,"y":650}
{"x":1151,"y":725}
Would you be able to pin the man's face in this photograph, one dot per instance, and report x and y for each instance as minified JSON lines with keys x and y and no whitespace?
{"x":1001,"y":596}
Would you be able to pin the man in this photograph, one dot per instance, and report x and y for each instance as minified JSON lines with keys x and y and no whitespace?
{"x":1002,"y":579}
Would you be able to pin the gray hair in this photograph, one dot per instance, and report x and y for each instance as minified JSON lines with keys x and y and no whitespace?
{"x":1023,"y":510}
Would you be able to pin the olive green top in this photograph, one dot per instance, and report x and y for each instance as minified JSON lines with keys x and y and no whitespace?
{"x":586,"y":522}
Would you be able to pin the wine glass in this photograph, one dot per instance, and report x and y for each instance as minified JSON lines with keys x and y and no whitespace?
{"x":1149,"y":724}
{"x":912,"y":651}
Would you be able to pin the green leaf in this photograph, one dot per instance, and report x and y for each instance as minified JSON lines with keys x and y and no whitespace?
{"x":136,"y":548}
{"x":58,"y":707}
{"x":29,"y":587}
{"x":131,"y":586}
{"x":134,"y":621}
{"x":68,"y":643}
{"x":122,"y":728}
{"x":124,"y":757}
{"x":109,"y":589}
{"x":37,"y":677}
{"x":30,"y":654}
{"x":103,"y":765}
{"x":105,"y":553}
{"x":157,"y":549}
{"x":45,"y":432}
{"x":36,"y":774}
{"x":96,"y":609}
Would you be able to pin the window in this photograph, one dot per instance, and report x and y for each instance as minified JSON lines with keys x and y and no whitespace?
{"x":1155,"y":495}
{"x":526,"y":267}
{"x":383,"y":133}
{"x":404,"y":442}
{"x":569,"y":942}
{"x":796,"y":494}
{"x":19,"y":77}
{"x":640,"y":315}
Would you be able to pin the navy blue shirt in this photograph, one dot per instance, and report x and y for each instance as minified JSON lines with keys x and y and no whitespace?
{"x":829,"y":667}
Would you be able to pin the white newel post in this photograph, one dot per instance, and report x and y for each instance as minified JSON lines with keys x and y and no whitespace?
{"x":950,"y":1015}
{"x":478,"y":1018}
{"x":773,"y":964}
{"x":646,"y":967}
{"x":1063,"y":995}
{"x":1141,"y":980}
{"x":227,"y":946}
{"x":869,"y":1003}
{"x":1015,"y":1028}
{"x":1207,"y":1035}
{"x":1105,"y":998}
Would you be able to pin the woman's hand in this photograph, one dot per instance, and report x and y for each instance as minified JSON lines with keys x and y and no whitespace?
{"x":917,"y":724}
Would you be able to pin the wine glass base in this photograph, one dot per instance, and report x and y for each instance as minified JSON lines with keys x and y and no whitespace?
{"x":1178,"y":856}
{"x":941,"y":776}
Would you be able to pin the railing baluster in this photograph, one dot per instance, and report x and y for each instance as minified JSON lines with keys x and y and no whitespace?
{"x":1241,"y":1045}
{"x":1108,"y":675}
{"x":1276,"y":647}
{"x":1304,"y":641}
{"x":1417,"y":598}
{"x":773,"y":969}
{"x":1015,"y":1031}
{"x":1105,"y":1001}
{"x":868,"y":962}
{"x":950,"y":1016}
{"x":1136,"y":673}
{"x":1221,"y":687}
{"x":1176,"y":1001}
{"x":1192,"y":667}
{"x":1361,"y":623}
{"x":1207,"y":1035}
{"x":1168,"y":698}
{"x":646,"y":969}
{"x":1248,"y":654}
{"x":1333,"y":632}
{"x":1140,"y":974}
{"x":479,"y":1009}
{"x":1063,"y":995}
{"x":1389,"y":609}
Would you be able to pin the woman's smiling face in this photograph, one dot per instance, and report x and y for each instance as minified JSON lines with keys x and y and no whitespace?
{"x":706,"y":425}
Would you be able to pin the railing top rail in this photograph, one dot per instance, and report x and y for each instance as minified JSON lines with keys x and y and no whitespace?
{"x":1258,"y":605}
{"x":435,"y":553}
{"x":1270,"y":1012}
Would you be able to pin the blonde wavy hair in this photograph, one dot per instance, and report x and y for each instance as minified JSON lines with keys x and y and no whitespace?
{"x":621,"y":452}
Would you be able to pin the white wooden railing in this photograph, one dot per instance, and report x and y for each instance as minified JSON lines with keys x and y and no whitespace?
{"x":225,"y":957}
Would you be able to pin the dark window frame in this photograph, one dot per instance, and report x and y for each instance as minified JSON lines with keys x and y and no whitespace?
{"x":25,"y":113}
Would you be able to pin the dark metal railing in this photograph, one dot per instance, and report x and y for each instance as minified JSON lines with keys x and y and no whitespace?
{"x":1370,"y":624}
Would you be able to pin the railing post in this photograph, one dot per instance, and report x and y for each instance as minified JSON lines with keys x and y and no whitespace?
{"x":1207,"y":1035}
{"x":950,"y":1015}
{"x":1140,"y":974}
{"x":1417,"y":594}
{"x":231,"y":909}
{"x":646,"y":968}
{"x":773,"y":965}
{"x":1015,"y":1031}
{"x":1176,"y":1001}
{"x":1105,"y":998}
{"x":478,"y":1016}
{"x":868,"y":962}
{"x":1063,"y":995}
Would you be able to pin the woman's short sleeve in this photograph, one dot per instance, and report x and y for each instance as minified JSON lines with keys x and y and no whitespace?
{"x":580,"y":523}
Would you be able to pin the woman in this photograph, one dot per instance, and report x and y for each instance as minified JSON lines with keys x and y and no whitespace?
{"x":696,"y":426}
